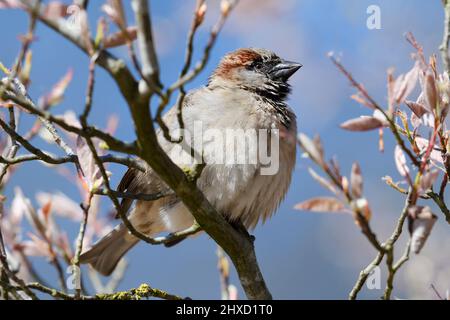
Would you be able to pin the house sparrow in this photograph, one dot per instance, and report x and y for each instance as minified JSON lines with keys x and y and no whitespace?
{"x":247,"y":90}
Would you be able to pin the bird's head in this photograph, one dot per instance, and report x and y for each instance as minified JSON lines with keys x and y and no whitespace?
{"x":257,"y":70}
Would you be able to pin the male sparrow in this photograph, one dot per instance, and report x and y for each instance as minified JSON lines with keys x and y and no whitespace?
{"x":247,"y":91}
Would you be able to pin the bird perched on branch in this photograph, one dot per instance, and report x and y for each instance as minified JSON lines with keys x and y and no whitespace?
{"x":246,"y":93}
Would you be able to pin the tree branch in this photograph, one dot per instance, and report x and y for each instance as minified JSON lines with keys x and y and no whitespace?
{"x":441,"y":204}
{"x":446,"y":37}
{"x":144,"y":291}
{"x":150,"y":67}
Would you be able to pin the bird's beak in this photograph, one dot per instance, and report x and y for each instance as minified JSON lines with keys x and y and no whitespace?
{"x":284,"y":70}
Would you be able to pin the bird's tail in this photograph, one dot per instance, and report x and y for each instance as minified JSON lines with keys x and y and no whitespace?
{"x":108,"y":251}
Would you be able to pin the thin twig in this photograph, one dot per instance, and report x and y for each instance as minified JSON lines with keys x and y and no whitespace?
{"x":126,"y":161}
{"x":393,"y":268}
{"x":364,"y":274}
{"x":441,"y":204}
{"x":134,"y":196}
{"x":40,"y":154}
{"x":80,"y":238}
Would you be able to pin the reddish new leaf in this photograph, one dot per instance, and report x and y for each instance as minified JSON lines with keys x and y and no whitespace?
{"x":311,"y":148}
{"x":362,"y":100}
{"x":61,"y":205}
{"x":418,"y":109}
{"x":37,"y":247}
{"x":422,"y":144}
{"x":92,"y":174}
{"x":19,"y":207}
{"x":400,"y":161}
{"x":57,"y":94}
{"x":114,"y":10}
{"x":55,"y":10}
{"x":356,"y":181}
{"x":431,"y":91}
{"x":321,"y":204}
{"x":405,"y":84}
{"x":10,"y":4}
{"x":427,"y":181}
{"x":322,"y":181}
{"x":390,"y":89}
{"x":120,"y":38}
{"x":363,"y":123}
{"x":24,"y":204}
{"x":420,"y":222}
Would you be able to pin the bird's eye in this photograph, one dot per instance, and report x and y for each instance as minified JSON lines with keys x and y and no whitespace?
{"x":257,"y":64}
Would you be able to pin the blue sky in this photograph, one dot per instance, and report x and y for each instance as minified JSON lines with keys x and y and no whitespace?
{"x":302,"y":255}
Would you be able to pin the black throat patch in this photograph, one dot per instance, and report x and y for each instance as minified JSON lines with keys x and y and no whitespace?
{"x":275,"y":94}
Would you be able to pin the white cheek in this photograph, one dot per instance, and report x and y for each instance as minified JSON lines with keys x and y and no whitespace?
{"x":250,"y":77}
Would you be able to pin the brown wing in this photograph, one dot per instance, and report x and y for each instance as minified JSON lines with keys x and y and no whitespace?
{"x":123,"y":186}
{"x":135,"y":181}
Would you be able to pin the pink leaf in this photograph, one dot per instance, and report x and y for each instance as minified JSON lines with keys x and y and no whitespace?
{"x":92,"y":174}
{"x":390,"y":88}
{"x":405,"y":84}
{"x":363,"y":123}
{"x":10,"y":4}
{"x":377,"y":114}
{"x":36,"y":247}
{"x":85,"y":31}
{"x":415,"y":120}
{"x":431,"y":91}
{"x":322,"y":181}
{"x":19,"y":207}
{"x":418,"y":109}
{"x":312,"y":148}
{"x":420,"y":222}
{"x":55,"y":10}
{"x":114,"y":10}
{"x":57,"y":94}
{"x":29,"y":211}
{"x":321,"y":204}
{"x":422,"y":144}
{"x":356,"y":181}
{"x":400,"y":161}
{"x":120,"y":38}
{"x":61,"y":205}
{"x":71,"y":118}
{"x":111,"y":125}
{"x":427,"y":181}
{"x":362,"y":100}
